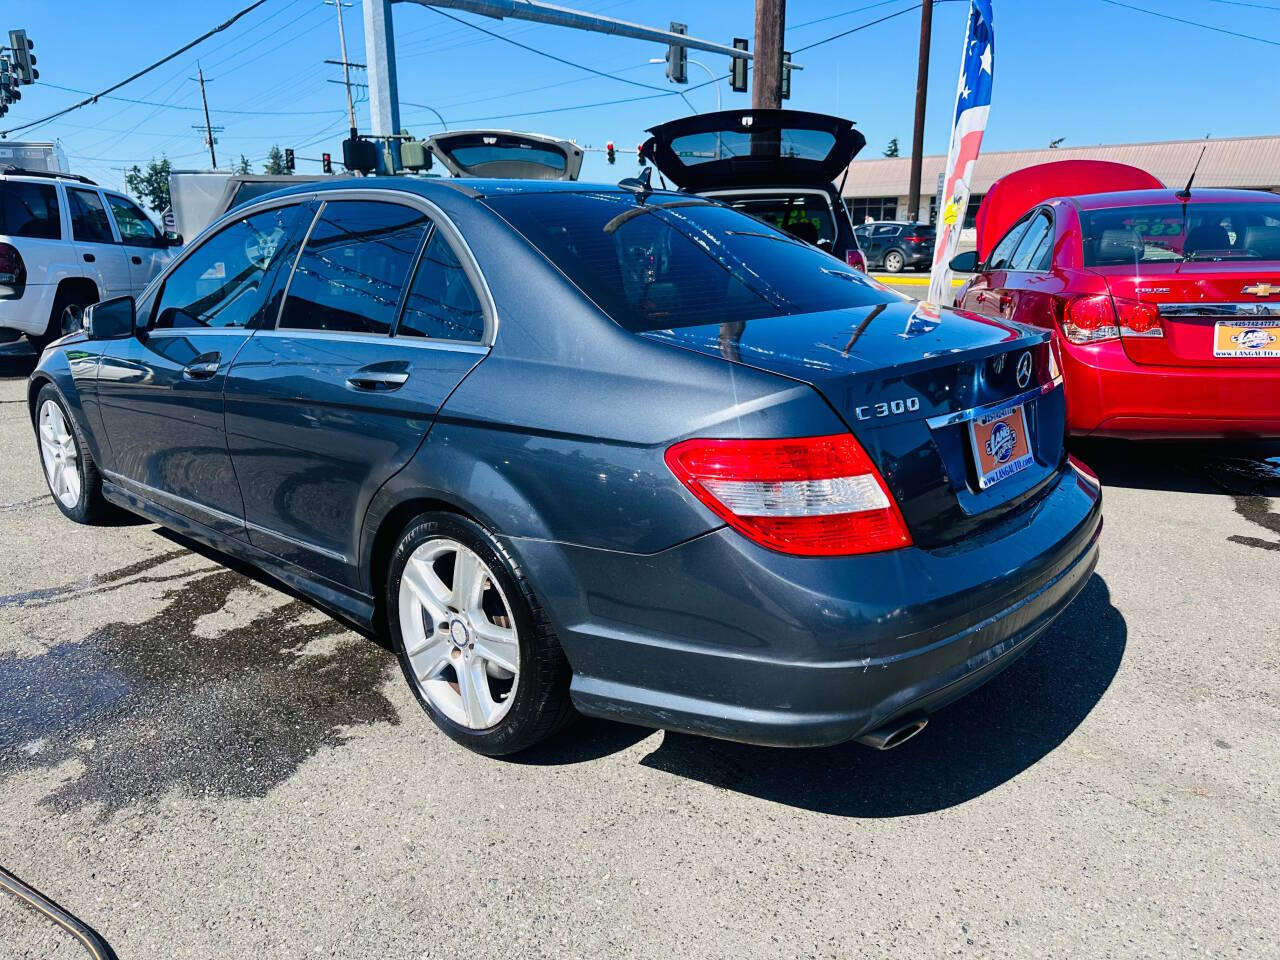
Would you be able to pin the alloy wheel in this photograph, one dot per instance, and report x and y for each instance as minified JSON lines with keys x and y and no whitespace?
{"x":893,"y":262}
{"x":459,"y":634}
{"x":60,"y":456}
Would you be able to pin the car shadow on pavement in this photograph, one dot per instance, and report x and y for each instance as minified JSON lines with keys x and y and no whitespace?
{"x":978,"y":743}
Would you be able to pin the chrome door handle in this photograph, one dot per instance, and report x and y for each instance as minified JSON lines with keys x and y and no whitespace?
{"x":202,"y":367}
{"x":378,"y":379}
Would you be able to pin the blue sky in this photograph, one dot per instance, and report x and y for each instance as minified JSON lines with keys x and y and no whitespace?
{"x":1087,"y":70}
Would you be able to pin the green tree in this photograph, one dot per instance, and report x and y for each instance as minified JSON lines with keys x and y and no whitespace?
{"x":275,"y":161}
{"x":892,"y":149}
{"x":242,"y":165}
{"x":150,"y":185}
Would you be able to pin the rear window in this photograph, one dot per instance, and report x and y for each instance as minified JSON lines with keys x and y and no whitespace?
{"x":1165,"y":233}
{"x":29,"y":210}
{"x":711,"y":145}
{"x":518,"y":160}
{"x":806,"y":216}
{"x":672,"y":262}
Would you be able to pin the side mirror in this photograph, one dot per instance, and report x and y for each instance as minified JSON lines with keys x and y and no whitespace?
{"x":966,"y":262}
{"x":110,"y":319}
{"x":172,"y":239}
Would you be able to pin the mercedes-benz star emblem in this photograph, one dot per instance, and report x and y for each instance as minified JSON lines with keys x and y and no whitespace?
{"x":1024,"y":369}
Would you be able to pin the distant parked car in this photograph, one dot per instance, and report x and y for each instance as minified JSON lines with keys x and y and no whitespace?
{"x":776,"y":165}
{"x":597,"y":447}
{"x":1165,"y":305}
{"x":896,"y":245}
{"x":66,"y":243}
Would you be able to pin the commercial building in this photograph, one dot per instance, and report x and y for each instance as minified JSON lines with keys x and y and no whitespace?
{"x":878,"y":187}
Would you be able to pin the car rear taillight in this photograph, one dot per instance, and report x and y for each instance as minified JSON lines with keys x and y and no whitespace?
{"x":807,"y":496}
{"x":854,"y":259}
{"x":915,"y":239}
{"x":1096,"y":317}
{"x":11,"y":265}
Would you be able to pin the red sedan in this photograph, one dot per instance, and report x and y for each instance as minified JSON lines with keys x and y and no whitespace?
{"x":1166,"y":305}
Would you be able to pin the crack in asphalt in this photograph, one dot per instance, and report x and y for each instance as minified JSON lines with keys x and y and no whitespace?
{"x":143,"y":709}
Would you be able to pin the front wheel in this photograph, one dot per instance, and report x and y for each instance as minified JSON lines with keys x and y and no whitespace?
{"x":474,"y":645}
{"x":893,"y":261}
{"x":69,"y":469}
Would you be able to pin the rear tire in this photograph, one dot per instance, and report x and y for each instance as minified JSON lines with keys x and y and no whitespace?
{"x":69,"y":469}
{"x":894,"y":261}
{"x":69,"y":302}
{"x":475,"y":646}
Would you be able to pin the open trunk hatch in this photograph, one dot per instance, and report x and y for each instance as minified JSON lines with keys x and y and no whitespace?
{"x":507,"y":154}
{"x":752,"y":148}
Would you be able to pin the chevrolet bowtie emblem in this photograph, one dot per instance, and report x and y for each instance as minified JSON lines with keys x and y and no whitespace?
{"x":1261,"y":290}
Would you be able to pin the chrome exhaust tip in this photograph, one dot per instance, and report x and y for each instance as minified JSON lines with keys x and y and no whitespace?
{"x":894,"y":734}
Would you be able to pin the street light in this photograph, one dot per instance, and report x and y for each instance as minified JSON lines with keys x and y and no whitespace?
{"x":698,"y":63}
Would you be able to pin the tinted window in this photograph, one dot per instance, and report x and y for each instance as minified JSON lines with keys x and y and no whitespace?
{"x":221,"y":282}
{"x":353,"y":267}
{"x":1028,"y":247}
{"x":1174,"y":232}
{"x":510,"y":160}
{"x":886,"y":231}
{"x":29,"y":210}
{"x":88,"y":217}
{"x":441,"y":302}
{"x":709,"y":145}
{"x":667,"y":264}
{"x":132,"y":223}
{"x":806,"y":216}
{"x":1002,"y":255}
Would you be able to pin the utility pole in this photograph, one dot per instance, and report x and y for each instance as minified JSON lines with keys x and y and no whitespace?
{"x":766,"y":87}
{"x":346,"y":66}
{"x":208,"y":127}
{"x":922,"y":90}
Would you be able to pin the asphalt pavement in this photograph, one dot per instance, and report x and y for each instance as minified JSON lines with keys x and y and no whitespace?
{"x":201,"y":765}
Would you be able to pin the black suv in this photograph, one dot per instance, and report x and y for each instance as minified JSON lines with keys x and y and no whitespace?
{"x":896,"y":246}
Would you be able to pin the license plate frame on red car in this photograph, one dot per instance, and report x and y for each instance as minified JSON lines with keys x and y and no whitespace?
{"x":1001,"y":444}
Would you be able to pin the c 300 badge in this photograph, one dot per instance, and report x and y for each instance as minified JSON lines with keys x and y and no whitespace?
{"x":893,"y":408}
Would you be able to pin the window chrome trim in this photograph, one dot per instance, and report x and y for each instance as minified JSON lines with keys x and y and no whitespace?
{"x":441,"y":221}
{"x":1265,"y":308}
{"x":973,"y":413}
{"x":356,"y":336}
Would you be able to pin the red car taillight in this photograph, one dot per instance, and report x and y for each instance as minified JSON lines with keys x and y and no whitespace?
{"x":1096,"y":317}
{"x":853,"y":258}
{"x":807,"y":496}
{"x":11,"y":265}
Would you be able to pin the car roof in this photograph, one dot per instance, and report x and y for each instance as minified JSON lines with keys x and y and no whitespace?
{"x":476,"y":187}
{"x":1131,"y":198}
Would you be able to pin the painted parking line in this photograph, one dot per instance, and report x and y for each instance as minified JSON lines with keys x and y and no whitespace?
{"x":897,"y":279}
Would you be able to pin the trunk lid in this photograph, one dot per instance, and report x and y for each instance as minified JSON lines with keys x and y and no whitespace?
{"x":1213,"y":314}
{"x":507,"y":154}
{"x":909,"y":379}
{"x":752,"y":148}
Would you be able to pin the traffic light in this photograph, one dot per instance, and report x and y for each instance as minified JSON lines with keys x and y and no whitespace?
{"x":678,"y":56}
{"x":640,"y":154}
{"x":738,"y":74}
{"x":24,"y":61}
{"x":326,"y":163}
{"x":610,"y":152}
{"x":288,"y":159}
{"x":786,"y":75}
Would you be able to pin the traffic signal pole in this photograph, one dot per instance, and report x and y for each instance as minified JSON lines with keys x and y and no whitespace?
{"x":922,"y":89}
{"x":766,"y":87}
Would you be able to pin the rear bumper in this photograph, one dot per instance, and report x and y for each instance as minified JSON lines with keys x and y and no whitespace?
{"x":1110,"y":395}
{"x":717,"y":636}
{"x":30,"y":312}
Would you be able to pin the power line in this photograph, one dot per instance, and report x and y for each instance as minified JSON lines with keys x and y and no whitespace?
{"x":143,"y":72}
{"x":1192,"y":23}
{"x":175,"y":106}
{"x":1242,"y":3}
{"x":837,"y":16}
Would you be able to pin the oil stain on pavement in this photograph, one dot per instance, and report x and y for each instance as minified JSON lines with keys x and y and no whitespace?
{"x":1254,"y":484}
{"x":169,"y":703}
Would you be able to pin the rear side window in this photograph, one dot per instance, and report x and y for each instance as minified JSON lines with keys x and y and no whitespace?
{"x":353,"y":267}
{"x":442,"y":304}
{"x":221,"y":282}
{"x":29,"y":210}
{"x":670,"y":262}
{"x":88,"y":217}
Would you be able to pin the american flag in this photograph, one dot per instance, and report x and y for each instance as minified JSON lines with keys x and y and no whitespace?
{"x":973,"y":103}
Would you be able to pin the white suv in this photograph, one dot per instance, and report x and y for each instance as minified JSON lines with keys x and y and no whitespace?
{"x":66,"y":243}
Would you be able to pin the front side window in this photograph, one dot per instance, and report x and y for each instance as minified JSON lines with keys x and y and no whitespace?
{"x":442,"y":303}
{"x":1037,"y":236}
{"x":805,"y":216}
{"x":1002,"y":255}
{"x":88,"y":217}
{"x":222,"y":282}
{"x":672,"y":262}
{"x":29,"y":210}
{"x":132,"y":223}
{"x":353,"y":267}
